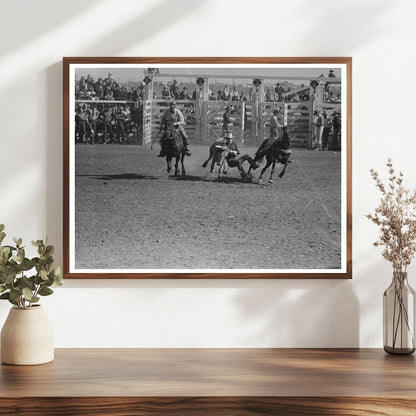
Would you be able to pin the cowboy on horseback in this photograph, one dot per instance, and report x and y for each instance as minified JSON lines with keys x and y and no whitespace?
{"x":172,"y":118}
{"x":275,"y":139}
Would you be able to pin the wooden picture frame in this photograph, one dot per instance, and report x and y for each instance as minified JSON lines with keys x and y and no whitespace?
{"x":125,"y":217}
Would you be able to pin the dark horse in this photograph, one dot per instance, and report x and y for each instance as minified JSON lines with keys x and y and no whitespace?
{"x":174,"y":148}
{"x":274,"y":151}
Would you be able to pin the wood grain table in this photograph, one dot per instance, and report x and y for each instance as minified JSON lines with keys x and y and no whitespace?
{"x":212,"y":382}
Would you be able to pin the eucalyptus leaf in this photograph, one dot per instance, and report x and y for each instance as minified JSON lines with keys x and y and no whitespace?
{"x":26,"y":264}
{"x":5,"y":295}
{"x":15,"y":294}
{"x":2,"y":236}
{"x":5,"y":250}
{"x":43,"y":274}
{"x":27,"y":293}
{"x":9,"y":277}
{"x":48,"y":282}
{"x":21,"y":255}
{"x":45,"y":291}
{"x":49,"y":250}
{"x":2,"y":227}
{"x":24,"y":282}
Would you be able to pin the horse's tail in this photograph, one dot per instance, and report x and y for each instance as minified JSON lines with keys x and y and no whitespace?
{"x":205,"y":164}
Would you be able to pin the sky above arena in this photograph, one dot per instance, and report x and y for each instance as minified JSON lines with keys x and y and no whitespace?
{"x":136,"y":73}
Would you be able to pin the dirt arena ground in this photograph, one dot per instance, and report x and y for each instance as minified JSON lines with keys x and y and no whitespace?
{"x":129,"y":213}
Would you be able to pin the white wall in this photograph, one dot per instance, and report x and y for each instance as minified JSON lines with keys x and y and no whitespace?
{"x":380,"y":36}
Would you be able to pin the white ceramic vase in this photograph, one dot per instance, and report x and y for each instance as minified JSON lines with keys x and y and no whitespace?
{"x":27,"y":337}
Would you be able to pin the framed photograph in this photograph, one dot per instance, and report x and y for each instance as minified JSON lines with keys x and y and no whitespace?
{"x":207,"y":168}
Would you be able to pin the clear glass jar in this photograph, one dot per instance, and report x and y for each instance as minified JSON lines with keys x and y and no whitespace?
{"x":399,"y":316}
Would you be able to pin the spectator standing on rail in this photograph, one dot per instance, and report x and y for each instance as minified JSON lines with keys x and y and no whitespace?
{"x":184,"y":94}
{"x":108,"y":94}
{"x":226,"y":93}
{"x":165,"y":93}
{"x":226,"y":119}
{"x":99,"y":89}
{"x":326,"y":127}
{"x":121,"y":116}
{"x":336,"y":128}
{"x":174,"y":90}
{"x":234,"y":95}
{"x":173,"y":118}
{"x":331,"y":74}
{"x":317,"y":130}
{"x":279,"y":90}
{"x":93,"y":120}
{"x":109,"y":81}
{"x":85,"y":115}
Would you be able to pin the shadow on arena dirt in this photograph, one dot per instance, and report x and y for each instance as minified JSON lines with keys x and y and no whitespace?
{"x":133,"y":176}
{"x":226,"y":180}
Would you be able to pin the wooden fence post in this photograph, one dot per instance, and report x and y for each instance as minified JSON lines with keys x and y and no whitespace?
{"x":200,"y":121}
{"x":203,"y":106}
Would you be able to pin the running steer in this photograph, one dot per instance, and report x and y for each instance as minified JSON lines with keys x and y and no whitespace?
{"x":217,"y":154}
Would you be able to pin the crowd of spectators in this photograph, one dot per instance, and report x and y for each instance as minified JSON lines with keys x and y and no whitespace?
{"x":87,"y":88}
{"x":101,"y":123}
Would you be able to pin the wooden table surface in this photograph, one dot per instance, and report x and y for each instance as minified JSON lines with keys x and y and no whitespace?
{"x":212,"y":382}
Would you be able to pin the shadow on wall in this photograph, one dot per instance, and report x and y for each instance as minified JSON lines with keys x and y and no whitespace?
{"x":300,"y":313}
{"x":158,"y":17}
{"x":45,"y":16}
{"x":139,"y":28}
{"x":360,"y":23}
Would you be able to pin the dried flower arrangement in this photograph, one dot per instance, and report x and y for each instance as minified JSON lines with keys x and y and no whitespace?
{"x":396,"y":217}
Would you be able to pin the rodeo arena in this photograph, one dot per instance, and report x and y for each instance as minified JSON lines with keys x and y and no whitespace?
{"x":176,"y":171}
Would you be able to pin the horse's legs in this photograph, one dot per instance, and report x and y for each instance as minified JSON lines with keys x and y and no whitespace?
{"x":176,"y":165}
{"x":169,"y":164}
{"x":269,"y":162}
{"x":283,"y":171}
{"x":284,"y":167}
{"x":272,"y":171}
{"x":183,"y":166}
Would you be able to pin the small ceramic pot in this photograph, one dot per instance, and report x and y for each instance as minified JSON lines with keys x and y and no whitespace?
{"x":27,"y":337}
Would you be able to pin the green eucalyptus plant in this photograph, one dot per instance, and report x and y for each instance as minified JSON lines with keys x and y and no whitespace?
{"x":16,"y":285}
